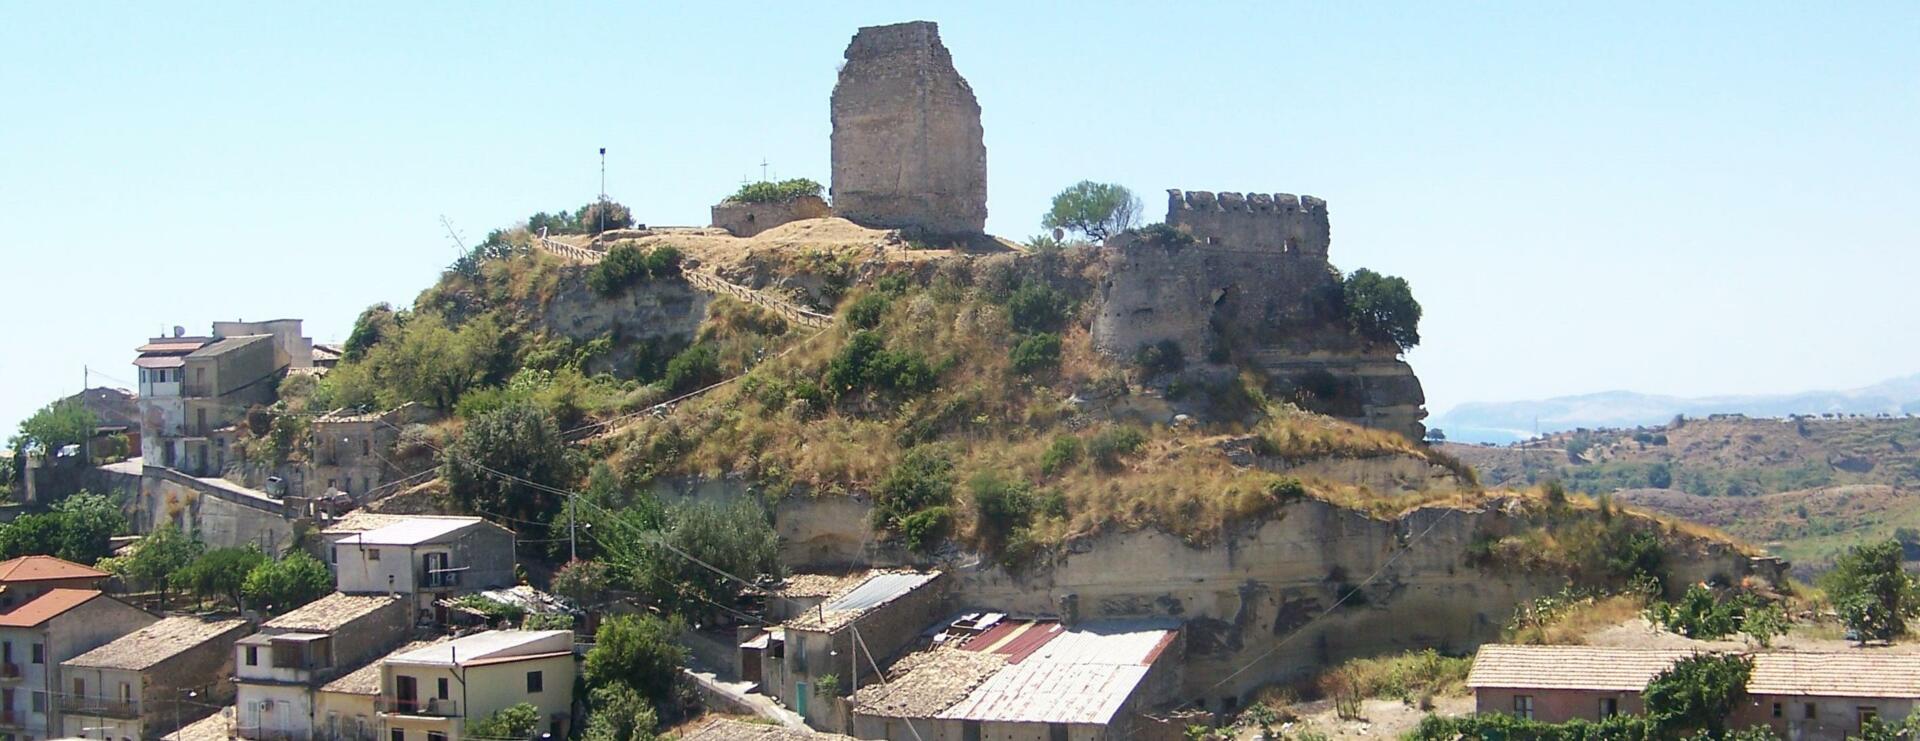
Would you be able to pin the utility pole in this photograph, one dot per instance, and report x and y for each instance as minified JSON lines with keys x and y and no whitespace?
{"x":573,"y":546}
{"x":603,"y":189}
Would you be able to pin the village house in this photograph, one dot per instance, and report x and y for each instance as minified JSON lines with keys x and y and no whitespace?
{"x":278,"y":670}
{"x":348,"y":708}
{"x":40,"y":634}
{"x":1805,"y":696}
{"x":351,"y":451}
{"x":992,"y":677}
{"x":807,"y":661}
{"x":192,"y":386}
{"x":27,"y":577}
{"x":430,"y":694}
{"x":151,"y":680}
{"x":423,"y":558}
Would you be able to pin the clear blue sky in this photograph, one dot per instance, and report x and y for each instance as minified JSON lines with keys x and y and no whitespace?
{"x":1682,"y":198}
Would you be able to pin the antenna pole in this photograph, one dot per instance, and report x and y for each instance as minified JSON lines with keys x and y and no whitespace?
{"x":603,"y":189}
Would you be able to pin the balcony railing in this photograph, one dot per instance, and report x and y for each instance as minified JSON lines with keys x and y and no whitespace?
{"x":11,"y":718}
{"x":9,"y":672}
{"x":430,"y":706}
{"x":100,"y":706}
{"x":441,"y":579}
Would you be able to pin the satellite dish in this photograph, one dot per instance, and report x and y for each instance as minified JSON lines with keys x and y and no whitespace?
{"x":179,"y":331}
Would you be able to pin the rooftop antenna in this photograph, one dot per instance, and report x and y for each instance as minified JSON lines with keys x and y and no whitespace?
{"x":603,"y":189}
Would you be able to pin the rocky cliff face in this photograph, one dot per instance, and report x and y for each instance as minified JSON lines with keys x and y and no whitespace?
{"x":663,"y":310}
{"x":1275,"y":600}
{"x":1255,"y":281}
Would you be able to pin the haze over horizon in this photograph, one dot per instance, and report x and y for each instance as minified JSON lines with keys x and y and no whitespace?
{"x":1582,"y":200}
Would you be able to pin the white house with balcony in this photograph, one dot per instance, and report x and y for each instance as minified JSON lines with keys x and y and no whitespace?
{"x":423,"y":558}
{"x":37,"y":636}
{"x":432,"y":693}
{"x":278,"y":670}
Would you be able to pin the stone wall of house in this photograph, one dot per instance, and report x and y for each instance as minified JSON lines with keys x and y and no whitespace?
{"x":908,"y":150}
{"x":748,"y":219}
{"x":1255,"y":275}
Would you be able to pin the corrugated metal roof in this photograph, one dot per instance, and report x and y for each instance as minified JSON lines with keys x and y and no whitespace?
{"x":1569,"y":667}
{"x":1840,"y":674}
{"x":879,"y":590}
{"x":1060,"y":675}
{"x":1048,"y":692}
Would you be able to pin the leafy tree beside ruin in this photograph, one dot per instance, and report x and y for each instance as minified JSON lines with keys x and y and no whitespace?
{"x":1097,"y":210}
{"x":54,"y":426}
{"x":1382,"y":307}
{"x":1872,"y":592}
{"x":776,"y":192}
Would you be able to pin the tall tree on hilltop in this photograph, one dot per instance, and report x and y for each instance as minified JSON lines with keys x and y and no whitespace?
{"x":1097,"y":210}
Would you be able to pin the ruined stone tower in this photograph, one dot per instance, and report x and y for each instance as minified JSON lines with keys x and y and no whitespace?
{"x":907,"y":146}
{"x":1256,"y":276}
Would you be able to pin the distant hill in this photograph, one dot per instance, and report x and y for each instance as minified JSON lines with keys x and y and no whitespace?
{"x":1804,"y":488}
{"x":1511,"y":421}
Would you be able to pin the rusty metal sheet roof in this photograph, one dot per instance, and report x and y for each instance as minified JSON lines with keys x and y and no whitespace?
{"x":1060,"y":675}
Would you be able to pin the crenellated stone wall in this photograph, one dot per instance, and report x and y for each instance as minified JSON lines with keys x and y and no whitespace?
{"x":1255,"y":276}
{"x":908,"y":151}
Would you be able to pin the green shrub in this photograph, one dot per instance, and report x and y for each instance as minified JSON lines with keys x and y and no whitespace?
{"x":600,"y":216}
{"x":1004,"y":506}
{"x":926,"y":528}
{"x":923,"y":478}
{"x":1697,"y":693}
{"x":1036,"y":307}
{"x":1160,"y":357}
{"x":1036,"y":352}
{"x":626,"y":266}
{"x":663,"y":262}
{"x":694,"y":368}
{"x":1063,"y":452}
{"x":1165,"y":235}
{"x":867,"y":311}
{"x":1108,"y":446}
{"x":1873,"y":592}
{"x":867,"y":364}
{"x":776,"y":192}
{"x":1382,"y":307}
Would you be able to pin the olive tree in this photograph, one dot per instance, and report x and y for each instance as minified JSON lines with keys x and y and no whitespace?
{"x":1097,"y":210}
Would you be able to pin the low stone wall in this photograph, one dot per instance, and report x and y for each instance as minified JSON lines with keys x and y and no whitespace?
{"x":748,"y":219}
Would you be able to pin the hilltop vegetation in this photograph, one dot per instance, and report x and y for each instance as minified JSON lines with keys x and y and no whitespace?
{"x":1808,"y":487}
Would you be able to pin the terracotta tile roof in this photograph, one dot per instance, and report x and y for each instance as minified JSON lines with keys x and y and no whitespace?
{"x":871,"y":593}
{"x":1569,"y":667}
{"x":41,"y":568}
{"x":158,"y":642}
{"x":47,"y":607}
{"x":1838,"y":674}
{"x":216,"y":727}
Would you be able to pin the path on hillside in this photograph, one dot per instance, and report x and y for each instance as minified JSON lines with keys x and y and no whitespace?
{"x":705,"y":281}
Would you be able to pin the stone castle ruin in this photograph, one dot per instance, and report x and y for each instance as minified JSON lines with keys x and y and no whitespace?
{"x":908,"y":152}
{"x":1255,"y":281}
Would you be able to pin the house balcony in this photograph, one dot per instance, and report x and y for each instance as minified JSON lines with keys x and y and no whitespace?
{"x":100,"y":707}
{"x":11,"y":718}
{"x":440,"y":580}
{"x":9,"y":673}
{"x":430,"y":707}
